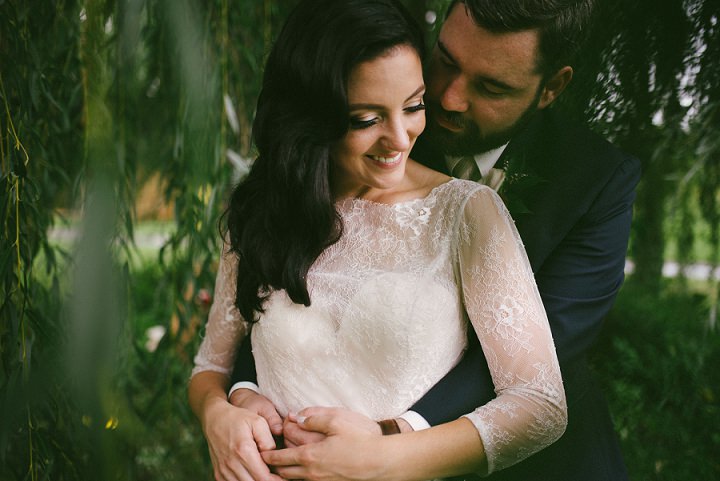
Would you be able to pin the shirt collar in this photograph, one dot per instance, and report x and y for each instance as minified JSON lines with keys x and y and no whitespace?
{"x":487,"y":160}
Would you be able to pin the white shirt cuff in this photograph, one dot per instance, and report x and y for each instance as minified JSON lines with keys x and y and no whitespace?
{"x":246,"y":385}
{"x":415,"y":421}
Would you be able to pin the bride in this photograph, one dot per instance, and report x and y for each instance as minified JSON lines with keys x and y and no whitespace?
{"x":356,"y":270}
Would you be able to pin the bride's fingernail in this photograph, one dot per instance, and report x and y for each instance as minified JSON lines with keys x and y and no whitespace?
{"x":300,"y":419}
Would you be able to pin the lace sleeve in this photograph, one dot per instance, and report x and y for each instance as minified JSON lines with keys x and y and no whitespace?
{"x":504,"y":307}
{"x":225,"y":328}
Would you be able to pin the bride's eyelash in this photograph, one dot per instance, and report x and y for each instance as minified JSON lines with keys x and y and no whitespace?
{"x":357,"y":124}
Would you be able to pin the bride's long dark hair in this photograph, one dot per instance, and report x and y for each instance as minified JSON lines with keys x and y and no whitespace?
{"x":282,"y":216}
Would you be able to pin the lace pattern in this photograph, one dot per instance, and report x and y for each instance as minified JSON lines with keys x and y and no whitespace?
{"x":390,"y":305}
{"x":225,"y":327}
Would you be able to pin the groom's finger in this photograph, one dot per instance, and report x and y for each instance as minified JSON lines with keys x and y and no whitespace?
{"x":293,"y":472}
{"x":249,"y":466}
{"x":243,"y":462}
{"x":272,"y":417}
{"x":262,"y":435}
{"x":288,"y":463}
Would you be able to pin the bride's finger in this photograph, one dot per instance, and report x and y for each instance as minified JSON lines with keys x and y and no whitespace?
{"x":320,"y":423}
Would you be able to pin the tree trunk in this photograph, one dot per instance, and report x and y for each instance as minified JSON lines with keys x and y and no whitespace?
{"x":648,"y":245}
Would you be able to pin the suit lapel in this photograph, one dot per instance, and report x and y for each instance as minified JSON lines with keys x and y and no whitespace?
{"x":573,"y":167}
{"x":567,"y":166}
{"x":550,"y":211}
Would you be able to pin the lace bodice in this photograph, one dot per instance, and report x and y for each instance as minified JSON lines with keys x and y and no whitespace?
{"x":390,"y":305}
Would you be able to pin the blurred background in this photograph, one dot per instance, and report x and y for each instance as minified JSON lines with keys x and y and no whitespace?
{"x":124,"y":125}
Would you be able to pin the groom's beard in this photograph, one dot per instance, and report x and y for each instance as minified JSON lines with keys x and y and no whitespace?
{"x":471,"y":141}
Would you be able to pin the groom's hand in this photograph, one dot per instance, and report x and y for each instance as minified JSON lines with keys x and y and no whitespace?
{"x":347,"y":449}
{"x":297,"y":434}
{"x":260,"y":405}
{"x":235,"y":438}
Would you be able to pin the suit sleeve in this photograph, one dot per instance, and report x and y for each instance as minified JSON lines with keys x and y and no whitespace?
{"x":244,"y":369}
{"x":578,"y":284}
{"x":580,"y":279}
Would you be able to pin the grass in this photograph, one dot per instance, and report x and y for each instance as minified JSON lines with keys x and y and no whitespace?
{"x":658,"y":363}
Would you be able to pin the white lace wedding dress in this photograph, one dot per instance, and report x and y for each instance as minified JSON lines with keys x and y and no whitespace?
{"x":390,"y":305}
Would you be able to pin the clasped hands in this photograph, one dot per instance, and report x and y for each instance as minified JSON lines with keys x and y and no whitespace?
{"x":318,"y":442}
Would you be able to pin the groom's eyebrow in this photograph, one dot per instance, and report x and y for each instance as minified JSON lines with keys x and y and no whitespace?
{"x":478,"y":79}
{"x":445,"y":51}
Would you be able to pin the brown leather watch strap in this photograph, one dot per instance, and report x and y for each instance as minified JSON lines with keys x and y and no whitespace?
{"x":389,"y":426}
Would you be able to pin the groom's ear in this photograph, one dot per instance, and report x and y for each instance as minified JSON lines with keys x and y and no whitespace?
{"x":554,"y":86}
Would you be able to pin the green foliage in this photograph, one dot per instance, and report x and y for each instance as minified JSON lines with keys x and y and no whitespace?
{"x":160,"y":438}
{"x":657,"y":98}
{"x":659,"y":367}
{"x":97,"y":95}
{"x":40,"y":99}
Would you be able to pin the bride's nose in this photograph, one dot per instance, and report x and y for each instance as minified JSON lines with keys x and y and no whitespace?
{"x":396,"y":136}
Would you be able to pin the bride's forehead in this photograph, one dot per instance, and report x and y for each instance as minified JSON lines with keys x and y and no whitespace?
{"x":389,"y":58}
{"x":398,"y":72}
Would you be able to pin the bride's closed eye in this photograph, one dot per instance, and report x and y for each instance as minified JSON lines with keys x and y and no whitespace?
{"x":416,"y":108}
{"x":357,"y":123}
{"x":362,"y":122}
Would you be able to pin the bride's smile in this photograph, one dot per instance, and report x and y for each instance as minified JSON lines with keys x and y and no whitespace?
{"x":386,"y":117}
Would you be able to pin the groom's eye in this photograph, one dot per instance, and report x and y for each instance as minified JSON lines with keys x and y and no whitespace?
{"x":446,"y":62}
{"x":490,"y":90}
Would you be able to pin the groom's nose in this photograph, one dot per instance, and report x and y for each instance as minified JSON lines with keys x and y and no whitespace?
{"x":454,"y":95}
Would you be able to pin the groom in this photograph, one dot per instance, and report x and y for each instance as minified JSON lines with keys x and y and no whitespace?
{"x":496,"y":69}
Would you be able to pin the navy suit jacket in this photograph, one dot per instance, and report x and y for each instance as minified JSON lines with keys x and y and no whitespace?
{"x":576,"y":238}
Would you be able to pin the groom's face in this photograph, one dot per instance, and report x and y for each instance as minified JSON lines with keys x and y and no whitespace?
{"x":482,"y":86}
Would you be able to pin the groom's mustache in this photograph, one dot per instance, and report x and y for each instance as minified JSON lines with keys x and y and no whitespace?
{"x":454,"y":118}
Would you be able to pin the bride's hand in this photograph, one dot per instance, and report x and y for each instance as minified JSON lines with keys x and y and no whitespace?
{"x":336,"y":432}
{"x":294,"y":435}
{"x":236,"y":437}
{"x":260,"y":405}
{"x":297,"y":434}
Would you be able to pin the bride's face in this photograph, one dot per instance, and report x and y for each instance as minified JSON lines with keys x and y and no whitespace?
{"x":385,"y":97}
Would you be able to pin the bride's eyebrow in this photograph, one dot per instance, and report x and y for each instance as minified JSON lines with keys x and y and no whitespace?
{"x":420,"y":90}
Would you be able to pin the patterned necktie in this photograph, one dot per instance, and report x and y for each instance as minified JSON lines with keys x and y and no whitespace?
{"x":466,"y":168}
{"x":494,"y":178}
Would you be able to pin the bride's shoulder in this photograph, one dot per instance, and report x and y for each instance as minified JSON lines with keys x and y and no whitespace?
{"x":453,"y":191}
{"x":467,"y":190}
{"x":423,"y":178}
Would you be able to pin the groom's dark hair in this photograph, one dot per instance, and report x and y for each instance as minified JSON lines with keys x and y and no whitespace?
{"x":562,"y":24}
